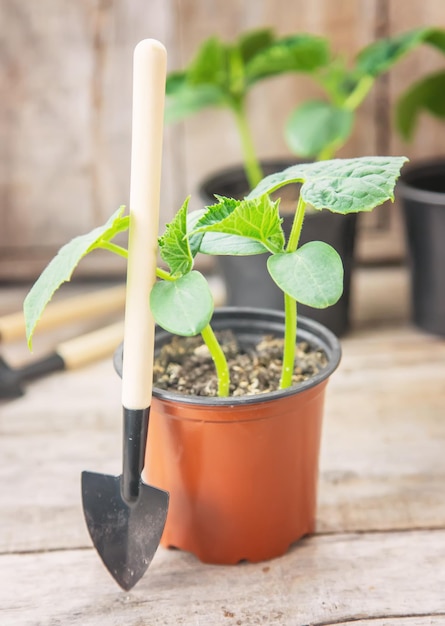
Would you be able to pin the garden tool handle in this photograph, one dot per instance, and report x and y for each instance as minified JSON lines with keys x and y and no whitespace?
{"x":135,"y":429}
{"x":75,"y":308}
{"x":90,"y":347}
{"x":149,"y":76}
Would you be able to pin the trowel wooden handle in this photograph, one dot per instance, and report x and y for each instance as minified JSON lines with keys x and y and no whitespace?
{"x":149,"y":75}
{"x":80,"y":307}
{"x":91,"y":346}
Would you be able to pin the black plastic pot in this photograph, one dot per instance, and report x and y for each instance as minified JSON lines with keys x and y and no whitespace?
{"x":246,"y":278}
{"x":421,"y":189}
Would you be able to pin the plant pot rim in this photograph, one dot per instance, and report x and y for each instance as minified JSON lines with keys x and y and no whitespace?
{"x":308,"y":329}
{"x":406,"y":185}
{"x":238,"y":168}
{"x":236,"y":172}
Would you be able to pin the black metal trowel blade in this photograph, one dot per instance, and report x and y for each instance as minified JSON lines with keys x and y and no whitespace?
{"x":126,"y":536}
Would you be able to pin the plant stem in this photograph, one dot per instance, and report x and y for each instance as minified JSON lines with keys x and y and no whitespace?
{"x":290,"y":304}
{"x":359,"y":93}
{"x":251,"y":165}
{"x":113,"y":247}
{"x":297,"y":224}
{"x":219,"y":359}
{"x":290,"y":338}
{"x":160,"y":273}
{"x":326,"y":154}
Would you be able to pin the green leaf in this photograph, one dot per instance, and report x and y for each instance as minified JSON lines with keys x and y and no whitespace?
{"x":210,"y":64}
{"x":258,"y":220}
{"x":296,"y":53}
{"x":220,"y":74}
{"x":425,"y":95}
{"x":60,"y":269}
{"x":340,"y":185}
{"x":174,"y":244}
{"x":313,"y":274}
{"x":235,"y":80}
{"x":217,"y":244}
{"x":194,"y":240}
{"x":184,"y":99}
{"x":381,"y":55}
{"x":183,"y":306}
{"x":253,"y":42}
{"x":316,"y":126}
{"x":436,"y":37}
{"x":175,"y":82}
{"x":338,"y":80}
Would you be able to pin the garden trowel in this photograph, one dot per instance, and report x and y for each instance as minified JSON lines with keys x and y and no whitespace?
{"x":125,"y":516}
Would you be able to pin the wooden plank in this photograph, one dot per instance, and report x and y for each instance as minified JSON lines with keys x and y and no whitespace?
{"x":66,"y":108}
{"x":382,"y":469}
{"x":42,"y":480}
{"x":65,"y":153}
{"x":377,"y":578}
{"x":396,"y":407}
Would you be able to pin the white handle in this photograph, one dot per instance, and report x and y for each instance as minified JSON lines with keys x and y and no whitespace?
{"x":149,"y":76}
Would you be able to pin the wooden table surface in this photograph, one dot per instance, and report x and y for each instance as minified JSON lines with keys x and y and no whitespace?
{"x":377,"y":558}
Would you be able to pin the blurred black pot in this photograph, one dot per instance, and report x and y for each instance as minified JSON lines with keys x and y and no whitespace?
{"x":421,"y":189}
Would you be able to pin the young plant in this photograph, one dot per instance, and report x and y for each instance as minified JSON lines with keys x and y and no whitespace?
{"x":186,"y":290}
{"x":223,"y":74}
{"x":312,"y":274}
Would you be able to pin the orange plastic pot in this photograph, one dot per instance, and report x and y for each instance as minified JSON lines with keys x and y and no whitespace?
{"x":241,"y":472}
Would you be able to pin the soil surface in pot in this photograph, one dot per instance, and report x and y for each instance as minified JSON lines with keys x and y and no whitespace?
{"x":184,"y":365}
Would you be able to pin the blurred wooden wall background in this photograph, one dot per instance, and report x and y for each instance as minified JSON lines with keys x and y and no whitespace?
{"x":65,"y":80}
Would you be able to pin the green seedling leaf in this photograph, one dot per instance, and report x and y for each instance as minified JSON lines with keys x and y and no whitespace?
{"x":254,"y":42}
{"x":337,"y":79}
{"x":258,"y":220}
{"x":381,"y":55}
{"x":436,"y":37}
{"x":317,"y":126}
{"x":174,"y":246}
{"x":220,"y":244}
{"x":60,"y":269}
{"x":183,"y":306}
{"x":425,"y":95}
{"x":184,"y":99}
{"x":340,"y":185}
{"x":296,"y":53}
{"x":210,"y":64}
{"x":194,"y":240}
{"x":313,"y":274}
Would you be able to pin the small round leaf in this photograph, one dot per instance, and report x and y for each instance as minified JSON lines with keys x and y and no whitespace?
{"x":183,"y":306}
{"x":316,"y":126}
{"x":313,"y":274}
